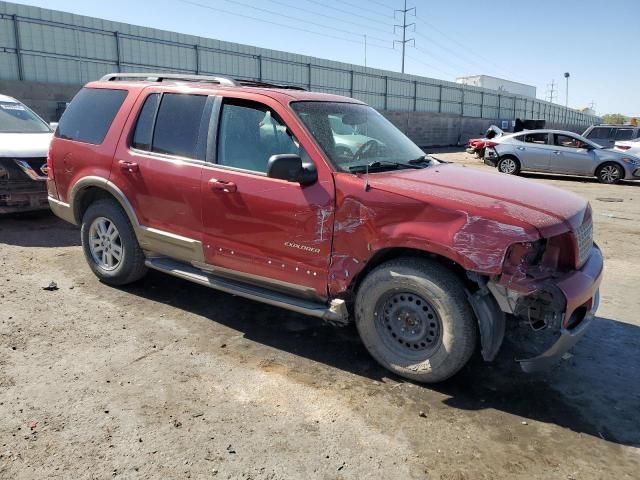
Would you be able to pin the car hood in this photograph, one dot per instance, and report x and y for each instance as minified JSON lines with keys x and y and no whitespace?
{"x":507,"y":199}
{"x":24,"y":144}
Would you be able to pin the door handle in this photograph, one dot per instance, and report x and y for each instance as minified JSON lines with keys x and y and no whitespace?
{"x":521,"y":148}
{"x":126,"y":166}
{"x":222,"y":185}
{"x":556,"y":152}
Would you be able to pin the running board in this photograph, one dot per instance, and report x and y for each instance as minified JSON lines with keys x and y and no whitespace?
{"x":334,"y":313}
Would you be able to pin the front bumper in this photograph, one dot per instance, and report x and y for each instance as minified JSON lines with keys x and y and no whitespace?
{"x":20,"y":200}
{"x":581,"y":292}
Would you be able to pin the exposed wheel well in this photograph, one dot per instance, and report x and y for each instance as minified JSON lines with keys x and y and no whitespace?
{"x":387,"y":254}
{"x":86,"y":197}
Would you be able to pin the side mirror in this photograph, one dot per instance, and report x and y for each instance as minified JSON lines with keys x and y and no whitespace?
{"x":289,"y":167}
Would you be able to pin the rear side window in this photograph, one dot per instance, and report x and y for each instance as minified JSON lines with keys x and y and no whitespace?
{"x":539,"y":138}
{"x":624,"y":134}
{"x":177,"y":129}
{"x":88,"y":118}
{"x":600,"y":132}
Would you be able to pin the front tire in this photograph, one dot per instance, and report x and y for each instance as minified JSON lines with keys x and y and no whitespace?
{"x":110,"y":245}
{"x":413,"y":317}
{"x":509,"y":165}
{"x":610,"y":173}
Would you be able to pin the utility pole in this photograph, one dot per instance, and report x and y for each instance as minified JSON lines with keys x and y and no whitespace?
{"x":551,"y":91}
{"x":404,"y":27}
{"x":566,"y":75}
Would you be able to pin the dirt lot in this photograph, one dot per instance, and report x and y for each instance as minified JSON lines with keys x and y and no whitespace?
{"x":171,"y":380}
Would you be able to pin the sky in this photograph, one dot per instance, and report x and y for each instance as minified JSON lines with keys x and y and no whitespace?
{"x":530,"y":42}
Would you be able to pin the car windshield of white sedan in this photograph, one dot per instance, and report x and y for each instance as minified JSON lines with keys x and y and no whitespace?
{"x":357,"y":138}
{"x":16,"y":118}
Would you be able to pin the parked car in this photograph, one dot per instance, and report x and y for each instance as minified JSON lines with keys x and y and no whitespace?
{"x":631,"y":147}
{"x":174,"y":175}
{"x":557,"y":151}
{"x":607,"y":135}
{"x":24,"y":141}
{"x":477,"y":146}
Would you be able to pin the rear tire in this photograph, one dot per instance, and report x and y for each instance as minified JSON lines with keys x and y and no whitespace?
{"x":110,"y":244}
{"x":610,"y":173}
{"x":413,"y":317}
{"x":509,"y":165}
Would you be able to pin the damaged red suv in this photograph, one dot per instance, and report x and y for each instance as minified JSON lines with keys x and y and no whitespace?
{"x":317,"y":204}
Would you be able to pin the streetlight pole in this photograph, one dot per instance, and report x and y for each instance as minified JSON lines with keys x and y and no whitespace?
{"x":566,"y":76}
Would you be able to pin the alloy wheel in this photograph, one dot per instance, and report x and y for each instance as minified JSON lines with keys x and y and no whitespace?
{"x":105,"y":243}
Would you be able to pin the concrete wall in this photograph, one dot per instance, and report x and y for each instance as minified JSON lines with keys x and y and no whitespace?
{"x":424,"y":128}
{"x":42,"y":98}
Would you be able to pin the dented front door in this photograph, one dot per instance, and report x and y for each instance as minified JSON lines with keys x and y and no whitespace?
{"x":261,"y":229}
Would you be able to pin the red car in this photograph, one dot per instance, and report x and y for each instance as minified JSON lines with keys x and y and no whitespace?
{"x":238,"y":186}
{"x":478,"y":146}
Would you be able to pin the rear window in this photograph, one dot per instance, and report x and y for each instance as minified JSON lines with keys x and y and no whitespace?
{"x":88,"y":118}
{"x":600,"y":132}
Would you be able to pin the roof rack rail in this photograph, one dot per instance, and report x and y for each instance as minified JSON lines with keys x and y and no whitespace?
{"x":160,"y":77}
{"x":258,"y":83}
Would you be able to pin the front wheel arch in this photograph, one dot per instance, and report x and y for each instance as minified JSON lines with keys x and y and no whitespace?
{"x":607,"y":163}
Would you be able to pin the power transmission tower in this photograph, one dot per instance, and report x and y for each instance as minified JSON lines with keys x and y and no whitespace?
{"x":404,"y":27}
{"x":552,"y":93}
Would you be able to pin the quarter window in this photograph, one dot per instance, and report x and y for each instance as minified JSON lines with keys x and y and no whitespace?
{"x":90,"y":114}
{"x":144,"y":127}
{"x":250,"y":133}
{"x":178,"y":125}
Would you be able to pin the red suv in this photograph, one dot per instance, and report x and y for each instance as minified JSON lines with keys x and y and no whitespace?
{"x":247,"y":188}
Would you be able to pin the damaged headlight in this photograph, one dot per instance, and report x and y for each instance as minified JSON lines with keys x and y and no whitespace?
{"x":4,"y":173}
{"x":527,"y":253}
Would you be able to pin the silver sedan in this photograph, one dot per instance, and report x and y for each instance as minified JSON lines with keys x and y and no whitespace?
{"x":557,"y":151}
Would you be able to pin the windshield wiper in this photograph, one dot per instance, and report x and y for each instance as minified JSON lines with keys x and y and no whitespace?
{"x":378,"y":164}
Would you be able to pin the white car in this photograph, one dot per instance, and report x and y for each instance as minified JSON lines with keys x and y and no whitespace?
{"x":632,"y":147}
{"x":24,"y":143}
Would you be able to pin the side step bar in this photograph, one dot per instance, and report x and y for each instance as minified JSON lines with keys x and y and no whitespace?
{"x":334,"y":313}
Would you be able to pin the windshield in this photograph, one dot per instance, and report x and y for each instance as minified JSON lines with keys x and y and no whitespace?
{"x":16,"y":118}
{"x":357,"y":137}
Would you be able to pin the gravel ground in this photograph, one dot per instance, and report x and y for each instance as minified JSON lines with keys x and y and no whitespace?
{"x":167,"y":379}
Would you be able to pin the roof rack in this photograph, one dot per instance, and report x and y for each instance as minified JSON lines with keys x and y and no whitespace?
{"x":258,"y":83}
{"x":219,"y":79}
{"x":160,"y":77}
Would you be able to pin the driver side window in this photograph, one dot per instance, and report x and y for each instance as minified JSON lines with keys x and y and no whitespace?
{"x":567,"y":141}
{"x":249,"y":134}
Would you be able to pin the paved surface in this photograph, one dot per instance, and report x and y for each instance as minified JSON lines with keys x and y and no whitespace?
{"x":171,"y":380}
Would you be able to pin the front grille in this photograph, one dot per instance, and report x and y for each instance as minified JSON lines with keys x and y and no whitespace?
{"x":584,"y":240}
{"x":23,"y":169}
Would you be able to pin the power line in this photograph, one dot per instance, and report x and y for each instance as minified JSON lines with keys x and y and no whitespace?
{"x":331,"y":17}
{"x":348,"y":12}
{"x":472,"y":55}
{"x":381,"y":4}
{"x":444,"y":60}
{"x":297,"y":19}
{"x":433,"y":67}
{"x":360,"y":7}
{"x":327,"y":35}
{"x":404,"y":27}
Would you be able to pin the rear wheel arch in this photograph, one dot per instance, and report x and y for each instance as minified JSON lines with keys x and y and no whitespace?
{"x":91,"y":189}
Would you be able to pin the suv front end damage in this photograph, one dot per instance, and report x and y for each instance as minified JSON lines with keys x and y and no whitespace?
{"x":551,"y":285}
